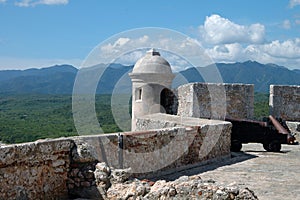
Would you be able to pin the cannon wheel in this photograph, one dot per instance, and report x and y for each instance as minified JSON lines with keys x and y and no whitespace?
{"x":273,"y":146}
{"x":236,"y":146}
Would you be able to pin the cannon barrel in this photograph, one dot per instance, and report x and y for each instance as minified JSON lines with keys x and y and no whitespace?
{"x":278,"y":126}
{"x":263,"y":124}
{"x":290,"y":138}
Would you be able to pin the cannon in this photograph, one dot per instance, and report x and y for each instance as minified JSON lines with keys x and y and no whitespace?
{"x":270,"y":132}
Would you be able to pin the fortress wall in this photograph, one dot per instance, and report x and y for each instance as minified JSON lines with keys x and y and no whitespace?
{"x":200,"y":141}
{"x":64,"y":168}
{"x":285,"y":102}
{"x":36,"y":170}
{"x":215,"y":101}
{"x":149,"y":153}
{"x":86,"y":153}
{"x":169,"y":145}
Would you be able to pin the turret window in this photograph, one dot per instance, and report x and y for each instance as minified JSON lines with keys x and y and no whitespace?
{"x":138,"y":95}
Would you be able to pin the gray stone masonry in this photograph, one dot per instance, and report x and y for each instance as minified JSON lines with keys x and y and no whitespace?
{"x":36,"y":170}
{"x":211,"y":141}
{"x":216,"y":100}
{"x":285,"y":102}
{"x":64,"y":168}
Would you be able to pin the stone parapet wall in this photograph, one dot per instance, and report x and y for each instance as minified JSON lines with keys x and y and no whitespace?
{"x":149,"y":151}
{"x":204,"y":139}
{"x":216,"y":100}
{"x":64,"y":168}
{"x":285,"y":102}
{"x":37,"y":170}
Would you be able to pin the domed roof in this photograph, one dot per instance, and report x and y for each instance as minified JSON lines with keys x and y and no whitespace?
{"x":152,"y":62}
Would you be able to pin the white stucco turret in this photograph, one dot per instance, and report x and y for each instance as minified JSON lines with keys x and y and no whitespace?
{"x":150,"y":75}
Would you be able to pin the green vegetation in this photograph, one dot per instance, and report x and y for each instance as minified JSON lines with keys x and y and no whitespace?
{"x":25,"y":118}
{"x":261,"y":105}
{"x":29,"y":117}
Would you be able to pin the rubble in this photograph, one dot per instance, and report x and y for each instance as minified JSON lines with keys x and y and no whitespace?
{"x":185,"y":187}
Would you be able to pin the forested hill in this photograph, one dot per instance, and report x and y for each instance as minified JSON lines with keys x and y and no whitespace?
{"x":297,"y":71}
{"x":250,"y":72}
{"x":57,"y":79}
{"x":60,"y":79}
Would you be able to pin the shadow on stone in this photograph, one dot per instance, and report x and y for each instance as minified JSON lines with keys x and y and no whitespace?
{"x":236,"y":157}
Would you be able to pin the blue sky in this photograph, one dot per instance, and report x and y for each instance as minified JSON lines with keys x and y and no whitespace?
{"x":40,"y":33}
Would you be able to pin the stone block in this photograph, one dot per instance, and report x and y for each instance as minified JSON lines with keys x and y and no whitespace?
{"x":215,"y":101}
{"x":285,"y":102}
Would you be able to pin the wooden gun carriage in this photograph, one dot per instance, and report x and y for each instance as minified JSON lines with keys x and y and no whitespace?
{"x":270,"y":132}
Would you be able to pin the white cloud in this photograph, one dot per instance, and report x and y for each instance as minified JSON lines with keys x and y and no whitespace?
{"x":229,"y":43}
{"x":121,"y":42}
{"x":141,"y":44}
{"x":219,"y":30}
{"x":130,"y":58}
{"x":226,"y":52}
{"x":294,"y":3}
{"x":286,"y":24}
{"x":115,"y":46}
{"x":297,"y":21}
{"x":226,"y":41}
{"x":28,"y":3}
{"x":285,"y":49}
{"x":167,"y":43}
{"x":185,"y":47}
{"x":177,"y":63}
{"x":286,"y":53}
{"x":266,"y":54}
{"x":2,"y":1}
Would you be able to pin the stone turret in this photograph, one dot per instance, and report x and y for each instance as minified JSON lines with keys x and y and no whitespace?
{"x":150,"y":76}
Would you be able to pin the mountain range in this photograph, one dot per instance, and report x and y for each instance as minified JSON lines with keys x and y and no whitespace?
{"x":249,"y":72}
{"x":59,"y":79}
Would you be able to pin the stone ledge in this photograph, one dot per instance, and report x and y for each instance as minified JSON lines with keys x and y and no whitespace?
{"x":161,"y":120}
{"x":32,"y":152}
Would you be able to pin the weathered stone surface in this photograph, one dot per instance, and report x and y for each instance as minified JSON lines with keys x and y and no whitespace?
{"x":62,"y":167}
{"x":133,"y":190}
{"x":216,"y":101}
{"x":81,"y":178}
{"x":285,"y":102}
{"x":120,"y":175}
{"x":103,"y":167}
{"x":36,"y":170}
{"x":183,"y":188}
{"x":294,"y":128}
{"x":102,"y":174}
{"x":83,"y":151}
{"x":201,"y":140}
{"x":270,"y":175}
{"x":57,"y":178}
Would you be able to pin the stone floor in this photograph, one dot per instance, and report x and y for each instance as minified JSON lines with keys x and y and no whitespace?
{"x":270,"y":175}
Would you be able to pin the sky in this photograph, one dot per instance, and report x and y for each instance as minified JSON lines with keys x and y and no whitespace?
{"x":41,"y":33}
